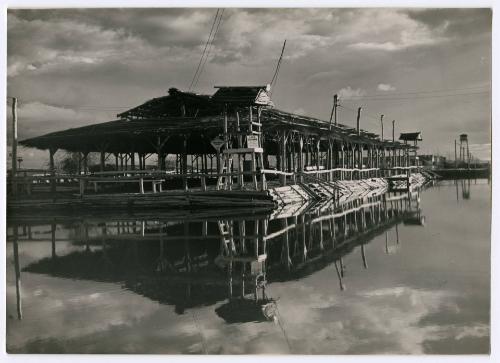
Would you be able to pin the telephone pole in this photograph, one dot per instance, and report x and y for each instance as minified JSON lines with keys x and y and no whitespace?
{"x":382,"y":125}
{"x":334,"y":110}
{"x":357,"y":120}
{"x":14,"y":145}
{"x":455,"y":153}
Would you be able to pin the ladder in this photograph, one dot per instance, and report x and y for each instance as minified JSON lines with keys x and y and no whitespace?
{"x":226,"y":236}
{"x":224,"y":181}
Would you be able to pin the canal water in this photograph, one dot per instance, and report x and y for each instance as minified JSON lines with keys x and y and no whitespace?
{"x":403,"y":274}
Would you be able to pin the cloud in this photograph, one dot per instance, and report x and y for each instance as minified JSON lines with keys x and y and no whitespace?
{"x":299,"y":111}
{"x":385,"y":87}
{"x":348,"y":92}
{"x":122,"y":57}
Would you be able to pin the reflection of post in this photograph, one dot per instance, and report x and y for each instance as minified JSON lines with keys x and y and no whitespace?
{"x":242,"y":231}
{"x":18,"y":274}
{"x":86,"y":231}
{"x":386,"y":243}
{"x":243,"y":265}
{"x":230,"y":279}
{"x":285,"y":255}
{"x":321,"y":234}
{"x":302,"y":222}
{"x":339,"y":275}
{"x":363,"y":256}
{"x":397,"y":235}
{"x":186,"y":247}
{"x":53,"y":235}
{"x":263,"y":234}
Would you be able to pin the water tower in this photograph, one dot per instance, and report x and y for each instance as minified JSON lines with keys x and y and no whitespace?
{"x":464,"y":148}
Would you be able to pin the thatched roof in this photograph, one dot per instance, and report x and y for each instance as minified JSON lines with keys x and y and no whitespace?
{"x":196,"y":117}
{"x":244,"y":96}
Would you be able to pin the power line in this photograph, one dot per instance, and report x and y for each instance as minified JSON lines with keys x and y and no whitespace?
{"x":415,"y":98}
{"x":421,"y":92}
{"x":278,"y":65}
{"x":364,"y":114}
{"x":204,"y":49}
{"x":77,"y":107}
{"x":209,"y":49}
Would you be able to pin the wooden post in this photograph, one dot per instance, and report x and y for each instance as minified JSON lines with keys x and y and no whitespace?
{"x":203,"y":183}
{"x":14,"y":146}
{"x":82,"y":186}
{"x":158,"y":152}
{"x":283,"y":157}
{"x":456,"y":153}
{"x":317,"y":157}
{"x":53,"y":239}
{"x":132,"y":160}
{"x":334,"y":110}
{"x":141,"y":185}
{"x":184,"y":163}
{"x":102,"y":160}
{"x":52,"y":171}
{"x":301,"y":157}
{"x":17,"y":272}
{"x":382,"y":126}
{"x":357,"y":121}
{"x":254,"y":171}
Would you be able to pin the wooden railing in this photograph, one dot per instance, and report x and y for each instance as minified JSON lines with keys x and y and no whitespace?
{"x":156,"y":178}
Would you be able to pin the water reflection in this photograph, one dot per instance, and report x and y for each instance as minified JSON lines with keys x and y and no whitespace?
{"x":206,"y":260}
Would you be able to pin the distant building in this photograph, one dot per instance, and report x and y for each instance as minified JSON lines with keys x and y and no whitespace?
{"x":433,"y":161}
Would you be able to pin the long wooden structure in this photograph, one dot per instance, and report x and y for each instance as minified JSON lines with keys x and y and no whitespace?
{"x":232,"y":140}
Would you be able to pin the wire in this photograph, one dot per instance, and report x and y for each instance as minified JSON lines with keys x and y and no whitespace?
{"x":278,"y":65}
{"x":416,"y":98}
{"x":204,"y":49}
{"x":364,"y":114}
{"x":421,"y":92}
{"x":209,"y":49}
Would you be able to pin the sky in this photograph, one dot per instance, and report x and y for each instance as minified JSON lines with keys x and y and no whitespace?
{"x":427,"y":69}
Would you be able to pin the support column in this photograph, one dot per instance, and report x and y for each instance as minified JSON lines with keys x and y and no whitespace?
{"x":283,"y":158}
{"x":52,"y":171}
{"x":102,"y":159}
{"x":184,"y":163}
{"x":132,"y":160}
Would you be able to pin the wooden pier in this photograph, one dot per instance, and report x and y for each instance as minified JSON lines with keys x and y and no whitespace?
{"x":217,"y":148}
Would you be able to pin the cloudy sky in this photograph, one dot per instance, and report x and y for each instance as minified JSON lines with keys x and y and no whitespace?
{"x":428,"y":69}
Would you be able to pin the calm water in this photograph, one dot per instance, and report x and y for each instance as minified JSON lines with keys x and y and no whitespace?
{"x":380,"y":275}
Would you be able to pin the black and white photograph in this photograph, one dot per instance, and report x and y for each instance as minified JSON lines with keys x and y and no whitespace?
{"x":247,"y":180}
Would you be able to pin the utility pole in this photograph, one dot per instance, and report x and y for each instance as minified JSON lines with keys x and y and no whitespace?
{"x":334,"y":110}
{"x":357,"y":120}
{"x":455,"y":153}
{"x":14,"y":145}
{"x":382,"y":125}
{"x":394,"y":148}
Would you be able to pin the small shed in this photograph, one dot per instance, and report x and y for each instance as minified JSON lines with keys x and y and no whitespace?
{"x":411,"y":136}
